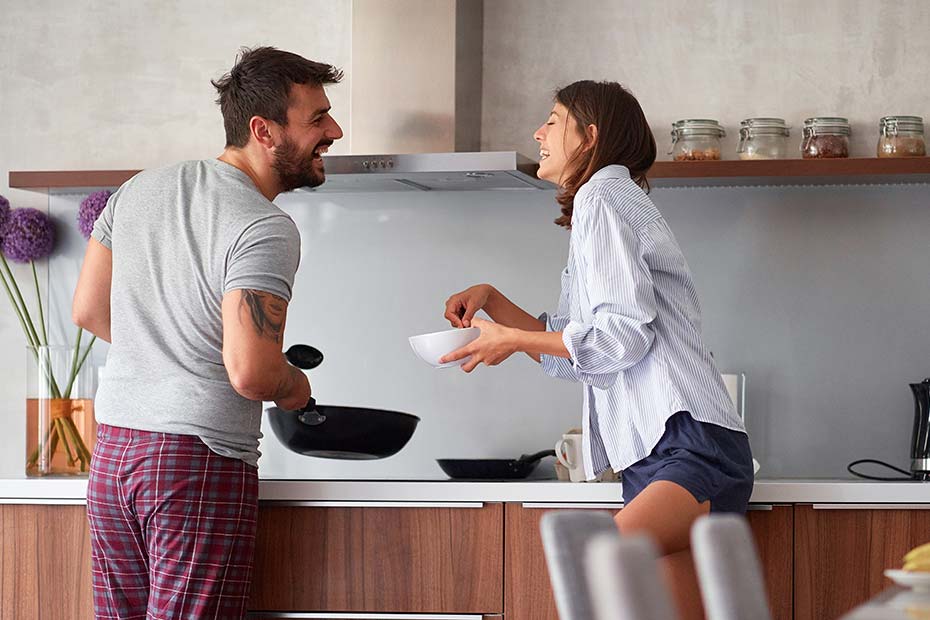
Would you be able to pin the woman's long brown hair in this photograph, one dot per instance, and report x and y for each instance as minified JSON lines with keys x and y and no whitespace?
{"x":623,"y":137}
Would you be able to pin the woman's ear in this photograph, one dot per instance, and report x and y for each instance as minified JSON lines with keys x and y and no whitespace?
{"x":590,"y":137}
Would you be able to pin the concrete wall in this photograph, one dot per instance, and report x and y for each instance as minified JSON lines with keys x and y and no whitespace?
{"x":815,"y":292}
{"x":722,"y":59}
{"x":101,"y":84}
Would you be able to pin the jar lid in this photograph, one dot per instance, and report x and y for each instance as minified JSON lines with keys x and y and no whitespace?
{"x":764,"y":126}
{"x":836,"y":125}
{"x":762,"y":121}
{"x":902,"y":123}
{"x":697,"y":127}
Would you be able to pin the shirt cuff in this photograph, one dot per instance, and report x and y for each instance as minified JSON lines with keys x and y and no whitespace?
{"x":572,"y":337}
{"x":544,"y":317}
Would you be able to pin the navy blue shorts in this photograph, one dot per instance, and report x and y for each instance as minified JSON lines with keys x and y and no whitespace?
{"x":712,"y":462}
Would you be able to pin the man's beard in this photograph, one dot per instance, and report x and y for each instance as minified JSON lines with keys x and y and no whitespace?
{"x":294,"y":168}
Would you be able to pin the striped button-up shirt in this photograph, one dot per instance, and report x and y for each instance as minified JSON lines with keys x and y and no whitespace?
{"x":630,"y":319}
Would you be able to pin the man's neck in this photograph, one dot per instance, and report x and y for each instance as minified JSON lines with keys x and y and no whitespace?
{"x":263,"y":177}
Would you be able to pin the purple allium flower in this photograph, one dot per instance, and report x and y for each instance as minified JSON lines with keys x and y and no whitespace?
{"x":90,"y":210}
{"x":30,"y":235}
{"x":4,"y":214}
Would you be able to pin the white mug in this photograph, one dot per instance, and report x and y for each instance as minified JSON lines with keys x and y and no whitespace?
{"x":568,"y":451}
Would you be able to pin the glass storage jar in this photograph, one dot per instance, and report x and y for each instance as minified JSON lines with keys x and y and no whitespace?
{"x":696,"y":139}
{"x":763,"y":138}
{"x":901,"y":136}
{"x":825,"y":137}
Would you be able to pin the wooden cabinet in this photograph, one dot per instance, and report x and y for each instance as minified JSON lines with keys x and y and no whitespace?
{"x":374,"y":559}
{"x":444,"y":559}
{"x":773,"y":531}
{"x":527,"y":594}
{"x":841,"y":553}
{"x":45,"y":563}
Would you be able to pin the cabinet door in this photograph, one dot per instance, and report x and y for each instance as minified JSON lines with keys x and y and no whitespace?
{"x":841,"y":553}
{"x":527,"y":593}
{"x":45,"y":563}
{"x":373,"y":559}
{"x":773,"y":531}
{"x":528,"y":596}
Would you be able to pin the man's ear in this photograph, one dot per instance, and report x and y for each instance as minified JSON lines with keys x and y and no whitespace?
{"x":590,"y":135}
{"x":261,"y":131}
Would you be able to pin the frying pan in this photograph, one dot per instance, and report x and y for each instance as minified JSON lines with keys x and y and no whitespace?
{"x":327,"y":431}
{"x":493,"y":469}
{"x":351,"y":433}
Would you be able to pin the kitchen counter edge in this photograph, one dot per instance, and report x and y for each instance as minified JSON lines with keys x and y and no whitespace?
{"x":390,"y":492}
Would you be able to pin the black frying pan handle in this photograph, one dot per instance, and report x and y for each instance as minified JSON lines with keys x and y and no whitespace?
{"x":532,"y":458}
{"x":309,"y":415}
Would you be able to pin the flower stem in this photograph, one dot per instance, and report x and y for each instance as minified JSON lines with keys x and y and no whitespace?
{"x":19,"y":313}
{"x":65,"y":440}
{"x":52,"y":446}
{"x":49,"y":374}
{"x":34,"y":457}
{"x":26,"y":321}
{"x":75,"y":369}
{"x":74,"y":359}
{"x":35,"y":278}
{"x":83,"y":454}
{"x":22,"y":302}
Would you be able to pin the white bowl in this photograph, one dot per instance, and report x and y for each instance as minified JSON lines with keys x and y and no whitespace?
{"x":431,"y":347}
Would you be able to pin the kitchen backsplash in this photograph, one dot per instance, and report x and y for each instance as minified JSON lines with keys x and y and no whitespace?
{"x":818,"y":294}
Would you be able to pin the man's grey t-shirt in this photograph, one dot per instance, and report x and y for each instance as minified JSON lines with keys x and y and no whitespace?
{"x":181,"y":237}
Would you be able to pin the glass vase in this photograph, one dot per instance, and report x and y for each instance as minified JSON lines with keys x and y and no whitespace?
{"x":60,"y":424}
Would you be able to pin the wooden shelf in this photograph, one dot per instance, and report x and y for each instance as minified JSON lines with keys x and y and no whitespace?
{"x":852,"y":171}
{"x":42,"y":179}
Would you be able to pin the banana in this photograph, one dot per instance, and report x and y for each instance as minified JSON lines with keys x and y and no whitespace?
{"x":923,"y":551}
{"x":922,"y":565}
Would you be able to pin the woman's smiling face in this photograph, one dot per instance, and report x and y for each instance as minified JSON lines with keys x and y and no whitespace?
{"x":558,"y":140}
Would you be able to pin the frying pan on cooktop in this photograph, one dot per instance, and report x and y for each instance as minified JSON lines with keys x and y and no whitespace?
{"x":493,"y":469}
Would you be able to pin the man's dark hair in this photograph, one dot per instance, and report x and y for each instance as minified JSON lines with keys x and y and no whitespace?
{"x":259,"y":84}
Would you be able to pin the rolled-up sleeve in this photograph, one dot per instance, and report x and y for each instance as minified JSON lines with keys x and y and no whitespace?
{"x":553,"y":365}
{"x":620,"y":295}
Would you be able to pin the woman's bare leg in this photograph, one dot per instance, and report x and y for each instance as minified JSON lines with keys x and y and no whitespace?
{"x":665,"y":511}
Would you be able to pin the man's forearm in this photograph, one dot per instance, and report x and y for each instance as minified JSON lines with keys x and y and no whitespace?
{"x":289,"y":383}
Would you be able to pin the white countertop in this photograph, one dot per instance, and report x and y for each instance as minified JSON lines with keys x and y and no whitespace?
{"x":386,"y":492}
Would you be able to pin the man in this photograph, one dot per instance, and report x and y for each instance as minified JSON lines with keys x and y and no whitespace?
{"x":190,"y":270}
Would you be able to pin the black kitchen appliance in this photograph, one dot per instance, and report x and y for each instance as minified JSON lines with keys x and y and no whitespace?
{"x":920,"y":440}
{"x":328,"y":431}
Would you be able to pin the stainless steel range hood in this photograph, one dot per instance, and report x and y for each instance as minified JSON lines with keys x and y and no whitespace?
{"x":430,"y":172}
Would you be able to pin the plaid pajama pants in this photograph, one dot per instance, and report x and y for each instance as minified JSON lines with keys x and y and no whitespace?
{"x":172,"y":527}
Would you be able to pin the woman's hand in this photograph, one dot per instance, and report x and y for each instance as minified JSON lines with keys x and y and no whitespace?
{"x":495,"y":344}
{"x":461,"y":307}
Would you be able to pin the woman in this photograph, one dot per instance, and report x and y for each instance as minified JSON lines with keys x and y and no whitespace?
{"x":628,"y":328}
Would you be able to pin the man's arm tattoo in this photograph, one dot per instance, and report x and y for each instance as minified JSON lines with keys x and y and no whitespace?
{"x":266,"y":312}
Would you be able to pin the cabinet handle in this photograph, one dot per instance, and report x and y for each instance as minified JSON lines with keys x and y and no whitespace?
{"x":871,"y":506}
{"x":759,"y":507}
{"x":343,"y":504}
{"x":549,"y":505}
{"x":308,"y":615}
